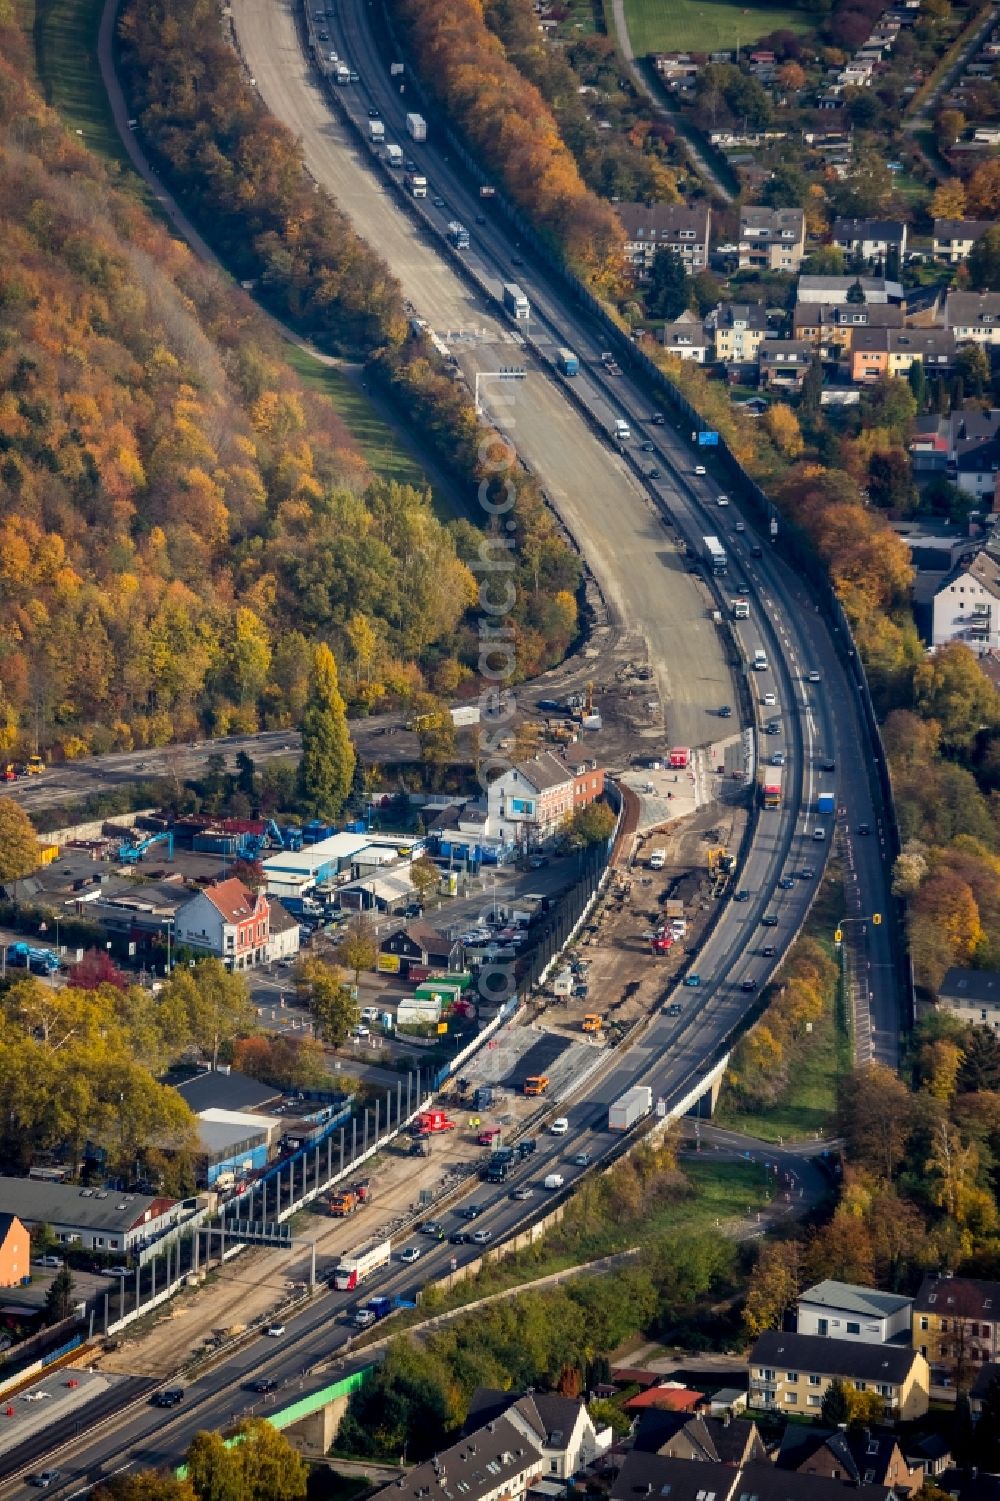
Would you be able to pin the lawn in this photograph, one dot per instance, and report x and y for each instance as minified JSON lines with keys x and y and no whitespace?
{"x":65,"y":39}
{"x":377,"y":440}
{"x":809,"y":1102}
{"x":705,"y":25}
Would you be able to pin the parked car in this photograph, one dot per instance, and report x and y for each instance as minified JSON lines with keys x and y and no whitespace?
{"x":119,"y":1271}
{"x":49,"y":1261}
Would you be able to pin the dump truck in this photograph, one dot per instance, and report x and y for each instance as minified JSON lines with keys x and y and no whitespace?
{"x":353,"y":1270}
{"x":591,"y":1022}
{"x":680,"y":757}
{"x":630,"y":1108}
{"x":344,"y":1203}
{"x":536,"y":1084}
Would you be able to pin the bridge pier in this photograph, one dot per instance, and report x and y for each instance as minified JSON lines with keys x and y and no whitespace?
{"x":316,"y":1432}
{"x":704,"y":1107}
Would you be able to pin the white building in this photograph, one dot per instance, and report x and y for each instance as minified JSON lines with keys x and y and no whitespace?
{"x":967,"y":606}
{"x":226,"y":921}
{"x":973,"y":995}
{"x":840,"y":1310}
{"x":559,"y":1427}
{"x":527,"y":804}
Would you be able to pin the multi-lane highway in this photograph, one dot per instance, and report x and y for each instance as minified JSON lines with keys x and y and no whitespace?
{"x":821,"y":722}
{"x":632,"y":532}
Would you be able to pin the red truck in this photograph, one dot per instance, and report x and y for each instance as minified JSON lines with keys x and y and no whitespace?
{"x":429,"y":1122}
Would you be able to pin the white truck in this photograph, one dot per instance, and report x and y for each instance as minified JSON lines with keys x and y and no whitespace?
{"x":394,"y":156}
{"x":416,"y":125}
{"x":760,"y":660}
{"x":741,"y":609}
{"x":342,"y":73}
{"x":376,"y":131}
{"x":416,"y":184}
{"x":353,"y":1270}
{"x":630,"y":1107}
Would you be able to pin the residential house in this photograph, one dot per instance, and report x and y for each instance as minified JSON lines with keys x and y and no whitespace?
{"x":837,"y":289}
{"x":784,"y":362}
{"x":771,"y":239}
{"x":588,"y":783}
{"x":980,"y":1388}
{"x":973,"y":317}
{"x":967,"y":605}
{"x":841,"y":1310}
{"x":497,"y":1461}
{"x":684,"y":229}
{"x":740,"y":327}
{"x":973,"y":995}
{"x":936,"y":439}
{"x":98,"y":1219}
{"x":686,"y":338}
{"x":709,"y":1440}
{"x":954,"y":238}
{"x":791,"y":1372}
{"x":859,"y":1456}
{"x":669,"y":1396}
{"x":647,"y":1475}
{"x":872,"y":239}
{"x":559,"y":1427}
{"x":15,"y":1251}
{"x":527,"y":804}
{"x":675,"y":67}
{"x":977,"y":463}
{"x":956,"y":1324}
{"x":284,"y":932}
{"x":227,"y":921}
{"x":877,"y":352}
{"x":831,"y":326}
{"x":416,"y":946}
{"x":933,"y":1451}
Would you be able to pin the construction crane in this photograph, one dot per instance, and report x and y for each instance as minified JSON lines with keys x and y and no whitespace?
{"x":131,"y":854}
{"x":721,"y":865}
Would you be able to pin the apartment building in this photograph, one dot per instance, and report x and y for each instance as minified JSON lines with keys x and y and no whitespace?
{"x":789,"y":1373}
{"x":771,"y":239}
{"x":973,"y":995}
{"x":956,"y":1324}
{"x":682,"y":229}
{"x":967,"y":605}
{"x":842,"y":1310}
{"x":954,"y":238}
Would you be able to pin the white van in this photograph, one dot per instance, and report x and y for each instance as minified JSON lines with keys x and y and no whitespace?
{"x":657,"y":859}
{"x":622,"y":430}
{"x":760,"y":660}
{"x":554,"y":1181}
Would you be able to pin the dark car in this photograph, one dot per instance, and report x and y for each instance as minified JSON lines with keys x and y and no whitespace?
{"x":460,"y":1238}
{"x":806,"y":873}
{"x":769,"y":920}
{"x":439,"y":203}
{"x":517,"y":260}
{"x":748,"y":984}
{"x":480,"y":218}
{"x":470,"y":1211}
{"x":767,"y":950}
{"x":742,"y":895}
{"x":657,"y":419}
{"x":648,"y":447}
{"x":726,"y":712}
{"x":548,"y":705}
{"x":410,"y":165}
{"x":786,"y":883}
{"x":673,"y":1009}
{"x":828,"y":765}
{"x":774,"y":728}
{"x":413,"y":909}
{"x":864,"y":828}
{"x":653,"y":473}
{"x":373,"y":114}
{"x":264,"y":1385}
{"x":171,"y":1397}
{"x":756,"y":551}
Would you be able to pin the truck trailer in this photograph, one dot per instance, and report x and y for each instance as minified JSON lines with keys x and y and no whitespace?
{"x":516,"y":305}
{"x":568,"y":362}
{"x":630,"y":1108}
{"x":353,"y":1270}
{"x":416,"y":126}
{"x":376,"y":131}
{"x":715,"y":554}
{"x":394,"y":156}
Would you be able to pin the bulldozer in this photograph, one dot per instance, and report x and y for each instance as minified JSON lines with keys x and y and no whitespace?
{"x":721,"y":865}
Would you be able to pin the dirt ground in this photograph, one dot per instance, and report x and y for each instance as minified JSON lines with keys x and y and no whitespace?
{"x":625,"y":984}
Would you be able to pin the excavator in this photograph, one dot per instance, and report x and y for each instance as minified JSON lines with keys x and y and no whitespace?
{"x":721,"y":865}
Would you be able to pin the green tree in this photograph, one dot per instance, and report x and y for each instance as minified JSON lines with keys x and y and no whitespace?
{"x":835,"y":1409}
{"x":951,"y":688}
{"x":426,"y":878}
{"x":856,"y":294}
{"x":357,"y":950}
{"x":774,"y":1286}
{"x":984,"y":262}
{"x":213,"y":1471}
{"x":979,"y":1069}
{"x":918,"y":383}
{"x":145,"y":1485}
{"x":972,"y":367}
{"x":18,"y":842}
{"x":270,"y":1469}
{"x":812,"y":390}
{"x":212,"y":1005}
{"x":333,"y":1008}
{"x":668,"y":292}
{"x":328,"y":757}
{"x":59,"y":1297}
{"x":591,"y":825}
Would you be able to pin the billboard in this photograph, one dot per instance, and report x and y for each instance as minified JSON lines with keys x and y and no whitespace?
{"x":708,"y":440}
{"x":388,"y":964}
